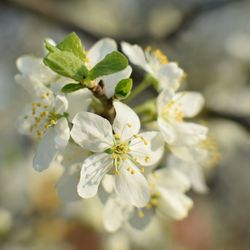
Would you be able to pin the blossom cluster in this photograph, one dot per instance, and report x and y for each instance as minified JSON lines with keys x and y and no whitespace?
{"x":140,"y":161}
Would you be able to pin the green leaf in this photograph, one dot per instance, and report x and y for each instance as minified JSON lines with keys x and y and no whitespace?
{"x":71,"y":87}
{"x":50,"y":47}
{"x":112,"y":63}
{"x":73,"y":44}
{"x":66,"y":64}
{"x":123,"y":88}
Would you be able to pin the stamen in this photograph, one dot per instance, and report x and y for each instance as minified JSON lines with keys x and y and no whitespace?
{"x":146,"y":158}
{"x":141,"y":213}
{"x":117,"y":136}
{"x":161,"y":56}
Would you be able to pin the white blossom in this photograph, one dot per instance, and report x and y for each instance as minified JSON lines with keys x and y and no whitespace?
{"x":168,"y":74}
{"x":181,"y":136}
{"x":167,"y":198}
{"x":124,"y":153}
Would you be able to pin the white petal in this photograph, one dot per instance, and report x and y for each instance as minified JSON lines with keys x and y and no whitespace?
{"x":197,"y":178}
{"x":92,"y":132}
{"x":62,"y":133}
{"x":190,"y":154}
{"x":192,"y":170}
{"x":189,"y":103}
{"x":149,"y":150}
{"x":135,"y":54}
{"x":61,"y":104}
{"x":67,"y":185}
{"x":33,"y":66}
{"x":78,"y":101}
{"x":164,"y":97}
{"x":141,"y":218}
{"x":108,"y":183}
{"x":25,"y":120}
{"x":110,"y":81}
{"x":46,"y":151}
{"x":133,"y":188}
{"x":170,"y":76}
{"x":174,"y":204}
{"x":116,"y":212}
{"x":35,"y":88}
{"x":189,"y":133}
{"x":92,"y":172}
{"x":72,"y":154}
{"x":167,"y":130}
{"x":126,"y":122}
{"x":171,"y":178}
{"x":100,"y":49}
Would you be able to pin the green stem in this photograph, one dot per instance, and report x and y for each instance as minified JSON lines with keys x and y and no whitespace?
{"x":141,"y":87}
{"x":148,"y":106}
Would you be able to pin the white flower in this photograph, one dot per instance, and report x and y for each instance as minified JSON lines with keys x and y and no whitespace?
{"x":180,"y":135}
{"x":71,"y":160}
{"x":167,"y":198}
{"x":167,"y":187}
{"x":193,"y":170}
{"x":168,"y":74}
{"x":33,"y":69}
{"x":44,"y":119}
{"x":205,"y":156}
{"x":95,"y":54}
{"x":124,"y":153}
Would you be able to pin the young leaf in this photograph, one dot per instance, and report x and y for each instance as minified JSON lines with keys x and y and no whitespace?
{"x":71,"y":87}
{"x":113,"y":62}
{"x":72,"y":43}
{"x":66,"y":64}
{"x":123,"y":88}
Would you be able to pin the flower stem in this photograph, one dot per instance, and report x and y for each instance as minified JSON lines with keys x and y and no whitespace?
{"x":147,"y":81}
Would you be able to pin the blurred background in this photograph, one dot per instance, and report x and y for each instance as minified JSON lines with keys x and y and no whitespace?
{"x":210,"y":39}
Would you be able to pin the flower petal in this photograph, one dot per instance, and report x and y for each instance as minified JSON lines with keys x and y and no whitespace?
{"x":46,"y":151}
{"x":189,"y":133}
{"x":174,"y":204}
{"x":141,"y":218}
{"x":78,"y":101}
{"x":67,"y":184}
{"x":167,"y":130}
{"x":133,"y":188}
{"x":92,"y":132}
{"x":135,"y":54}
{"x":164,"y":97}
{"x":61,"y":104}
{"x":33,"y":66}
{"x":147,"y":148}
{"x":62,"y":133}
{"x":189,"y":103}
{"x":116,"y":212}
{"x":100,"y":49}
{"x":92,"y":172}
{"x":126,"y":122}
{"x":171,"y":178}
{"x":35,"y":88}
{"x":110,"y":81}
{"x":170,"y":76}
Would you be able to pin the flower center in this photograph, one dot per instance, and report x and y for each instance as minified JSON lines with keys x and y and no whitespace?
{"x":121,"y":151}
{"x":42,"y":117}
{"x":172,"y":110}
{"x":158,"y":54}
